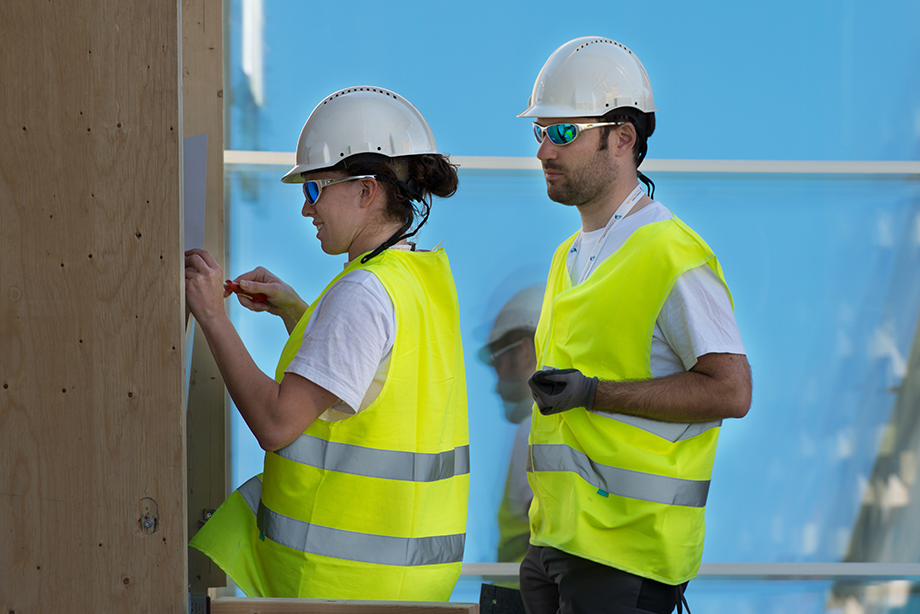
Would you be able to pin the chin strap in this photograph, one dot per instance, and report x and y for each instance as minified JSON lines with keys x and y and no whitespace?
{"x":411,"y":190}
{"x":393,"y":240}
{"x":649,"y":185}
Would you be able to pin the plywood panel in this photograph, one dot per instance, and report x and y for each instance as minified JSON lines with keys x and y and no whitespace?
{"x":202,"y":61}
{"x":92,"y":448}
{"x":235,"y":605}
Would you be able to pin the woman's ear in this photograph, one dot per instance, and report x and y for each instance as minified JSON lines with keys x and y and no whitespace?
{"x":369,"y":191}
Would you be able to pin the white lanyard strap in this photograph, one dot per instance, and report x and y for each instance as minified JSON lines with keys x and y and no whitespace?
{"x":621,"y":212}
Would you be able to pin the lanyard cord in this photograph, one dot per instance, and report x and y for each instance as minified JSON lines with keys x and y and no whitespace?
{"x":621,"y":212}
{"x":412,"y":192}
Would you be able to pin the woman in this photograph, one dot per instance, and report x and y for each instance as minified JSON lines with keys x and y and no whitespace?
{"x":366,"y":477}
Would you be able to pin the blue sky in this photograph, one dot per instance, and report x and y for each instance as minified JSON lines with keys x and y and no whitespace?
{"x":819,"y":267}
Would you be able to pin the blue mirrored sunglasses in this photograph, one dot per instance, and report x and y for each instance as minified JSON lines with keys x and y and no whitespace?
{"x":313,"y":188}
{"x":563,"y":134}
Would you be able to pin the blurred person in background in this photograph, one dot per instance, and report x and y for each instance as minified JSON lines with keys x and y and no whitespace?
{"x":510,"y":351}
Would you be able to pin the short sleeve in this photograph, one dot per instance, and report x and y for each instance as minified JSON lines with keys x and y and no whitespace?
{"x":350,"y":334}
{"x":697,"y":318}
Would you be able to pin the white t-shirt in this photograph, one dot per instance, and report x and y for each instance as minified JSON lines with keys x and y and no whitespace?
{"x":696,"y":318}
{"x":347,"y":343}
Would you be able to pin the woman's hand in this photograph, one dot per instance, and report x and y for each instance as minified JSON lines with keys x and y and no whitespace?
{"x":280,"y":299}
{"x":276,"y":413}
{"x":204,"y":290}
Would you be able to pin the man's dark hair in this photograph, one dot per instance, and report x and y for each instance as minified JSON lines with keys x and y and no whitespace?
{"x":644,"y":123}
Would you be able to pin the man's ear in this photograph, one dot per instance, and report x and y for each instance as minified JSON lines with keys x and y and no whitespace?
{"x":626,"y":139}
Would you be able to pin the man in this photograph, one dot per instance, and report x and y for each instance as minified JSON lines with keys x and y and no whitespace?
{"x":510,"y":351}
{"x":639,"y":357}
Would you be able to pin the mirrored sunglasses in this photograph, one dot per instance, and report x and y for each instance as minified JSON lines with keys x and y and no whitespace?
{"x":313,"y":188}
{"x":563,"y":134}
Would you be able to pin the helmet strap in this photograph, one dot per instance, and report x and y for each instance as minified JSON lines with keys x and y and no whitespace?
{"x":411,"y":189}
{"x":395,"y":238}
{"x":402,"y":233}
{"x":649,"y":184}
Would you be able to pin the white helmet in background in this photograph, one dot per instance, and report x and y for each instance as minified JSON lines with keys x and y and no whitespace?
{"x":521,"y":312}
{"x":360,"y":120}
{"x":589,"y":77}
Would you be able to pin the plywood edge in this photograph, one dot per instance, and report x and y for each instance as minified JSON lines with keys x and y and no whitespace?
{"x":254,"y":605}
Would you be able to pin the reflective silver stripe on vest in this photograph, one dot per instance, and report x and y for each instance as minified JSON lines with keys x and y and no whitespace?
{"x":349,"y":545}
{"x":616,"y":481}
{"x":374,"y":463}
{"x":252,"y":492}
{"x":363,"y":547}
{"x":672,"y":431}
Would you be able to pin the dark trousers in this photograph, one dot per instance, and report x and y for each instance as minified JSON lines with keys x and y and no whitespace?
{"x":553,"y":581}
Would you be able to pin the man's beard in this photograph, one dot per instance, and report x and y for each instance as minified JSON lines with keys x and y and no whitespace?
{"x":583,"y":184}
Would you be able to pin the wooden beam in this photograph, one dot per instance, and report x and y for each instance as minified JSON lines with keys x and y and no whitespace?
{"x":239,"y":605}
{"x":202,"y":70}
{"x":92,"y":425}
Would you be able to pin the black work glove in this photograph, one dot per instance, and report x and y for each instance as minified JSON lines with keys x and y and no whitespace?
{"x":558,"y":390}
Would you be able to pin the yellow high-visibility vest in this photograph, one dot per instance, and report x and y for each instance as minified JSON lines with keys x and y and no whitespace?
{"x":372,"y":506}
{"x":513,"y":528}
{"x":619,"y":490}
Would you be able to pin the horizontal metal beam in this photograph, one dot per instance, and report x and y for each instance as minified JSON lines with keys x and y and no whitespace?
{"x":752,"y":571}
{"x":907,"y":168}
{"x":236,"y":157}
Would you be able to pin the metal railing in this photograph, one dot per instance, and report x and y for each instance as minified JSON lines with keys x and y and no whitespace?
{"x":904,"y":168}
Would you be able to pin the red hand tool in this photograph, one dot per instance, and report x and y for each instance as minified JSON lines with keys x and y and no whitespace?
{"x":232,"y":286}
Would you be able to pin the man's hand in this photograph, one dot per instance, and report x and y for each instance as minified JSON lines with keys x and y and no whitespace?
{"x":558,"y":390}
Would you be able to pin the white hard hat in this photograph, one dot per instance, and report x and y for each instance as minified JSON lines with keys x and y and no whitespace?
{"x":359,"y":120}
{"x":522,"y":311}
{"x":588,"y":77}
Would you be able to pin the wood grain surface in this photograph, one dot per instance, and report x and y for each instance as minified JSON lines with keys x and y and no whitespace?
{"x":92,"y":441}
